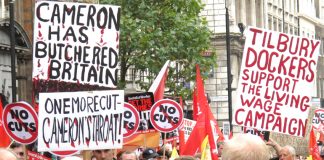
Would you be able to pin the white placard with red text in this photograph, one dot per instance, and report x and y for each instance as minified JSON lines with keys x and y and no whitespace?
{"x":76,"y":42}
{"x":276,"y":81}
{"x":188,"y":126}
{"x":80,"y":120}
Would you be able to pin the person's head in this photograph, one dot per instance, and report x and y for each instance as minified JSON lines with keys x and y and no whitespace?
{"x":18,"y":149}
{"x":128,"y":155}
{"x":7,"y":155}
{"x":245,"y":147}
{"x":166,"y":152}
{"x":105,"y":154}
{"x":149,"y":153}
{"x":287,"y":153}
{"x":220,"y":146}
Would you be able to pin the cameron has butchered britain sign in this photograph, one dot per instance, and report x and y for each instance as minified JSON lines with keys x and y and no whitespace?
{"x":276,"y":81}
{"x":76,"y":42}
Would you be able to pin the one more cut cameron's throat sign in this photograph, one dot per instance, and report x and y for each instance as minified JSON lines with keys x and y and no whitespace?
{"x":75,"y":42}
{"x":81,"y":120}
{"x":276,"y":81}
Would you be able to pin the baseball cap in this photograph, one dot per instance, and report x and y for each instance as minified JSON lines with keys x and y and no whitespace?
{"x":149,"y":153}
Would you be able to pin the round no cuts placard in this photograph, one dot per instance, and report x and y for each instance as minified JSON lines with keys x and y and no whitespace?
{"x":318,"y":119}
{"x":131,"y":120}
{"x":20,"y":122}
{"x":166,"y":115}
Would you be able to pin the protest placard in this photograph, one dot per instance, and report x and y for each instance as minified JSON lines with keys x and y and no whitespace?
{"x":226,"y":130}
{"x":166,"y":115}
{"x":81,"y":120}
{"x":76,"y":42}
{"x":188,"y":126}
{"x":261,"y":133}
{"x":276,"y":81}
{"x":36,"y":156}
{"x":20,"y":122}
{"x":131,"y":120}
{"x":318,"y":119}
{"x":143,"y":103}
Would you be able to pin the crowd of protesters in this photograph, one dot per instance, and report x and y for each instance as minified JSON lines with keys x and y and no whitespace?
{"x":240,"y":147}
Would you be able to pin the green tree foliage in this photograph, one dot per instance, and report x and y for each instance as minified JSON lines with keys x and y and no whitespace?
{"x":154,"y":31}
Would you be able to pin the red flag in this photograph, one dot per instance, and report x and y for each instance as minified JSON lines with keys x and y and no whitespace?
{"x":231,"y":135}
{"x":181,"y":139}
{"x":158,"y":86}
{"x":313,"y":148}
{"x":206,"y":124}
{"x":196,"y":110}
{"x":321,"y":138}
{"x":5,"y":139}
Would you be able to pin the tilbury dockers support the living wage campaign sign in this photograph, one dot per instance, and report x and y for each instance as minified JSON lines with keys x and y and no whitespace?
{"x":276,"y":80}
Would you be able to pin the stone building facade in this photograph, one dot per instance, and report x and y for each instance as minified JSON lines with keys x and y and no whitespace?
{"x":298,"y":17}
{"x":23,"y":27}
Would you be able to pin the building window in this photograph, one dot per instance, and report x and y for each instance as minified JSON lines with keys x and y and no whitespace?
{"x":4,"y":9}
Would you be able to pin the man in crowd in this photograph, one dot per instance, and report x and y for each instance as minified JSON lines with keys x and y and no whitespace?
{"x":128,"y":155}
{"x":245,"y":147}
{"x":287,"y":153}
{"x":149,"y":153}
{"x":105,"y":154}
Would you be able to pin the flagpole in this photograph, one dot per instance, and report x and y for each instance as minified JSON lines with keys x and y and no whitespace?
{"x":164,"y":140}
{"x":12,"y":50}
{"x":229,"y":74}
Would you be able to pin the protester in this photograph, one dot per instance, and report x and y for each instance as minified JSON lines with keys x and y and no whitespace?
{"x":7,"y":155}
{"x":167,"y":154}
{"x":274,"y":144}
{"x":284,"y":153}
{"x":18,"y":149}
{"x":220,"y":146}
{"x":106,"y":154}
{"x":287,"y":153}
{"x":245,"y":147}
{"x":149,"y":153}
{"x":128,"y":155}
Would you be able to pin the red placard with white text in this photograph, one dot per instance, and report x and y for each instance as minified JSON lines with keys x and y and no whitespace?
{"x":36,"y":156}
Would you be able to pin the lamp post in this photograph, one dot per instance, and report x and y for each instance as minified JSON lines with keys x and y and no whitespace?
{"x":12,"y":50}
{"x":229,"y":74}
